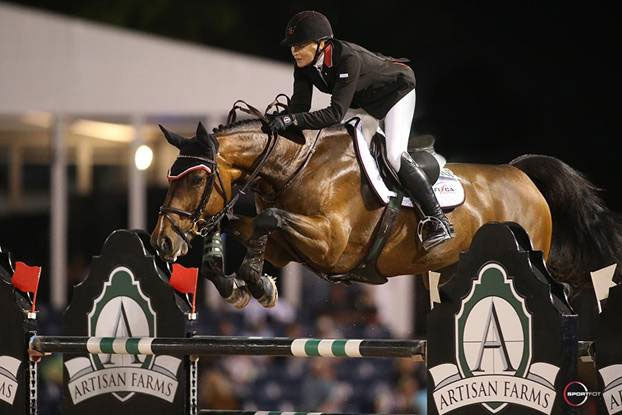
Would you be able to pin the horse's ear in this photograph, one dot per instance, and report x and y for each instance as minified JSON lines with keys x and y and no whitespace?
{"x":173,"y":139}
{"x":201,"y":131}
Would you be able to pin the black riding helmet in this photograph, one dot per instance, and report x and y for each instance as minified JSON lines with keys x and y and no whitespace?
{"x":307,"y":26}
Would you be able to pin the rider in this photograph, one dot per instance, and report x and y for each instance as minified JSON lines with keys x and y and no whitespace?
{"x":357,"y":78}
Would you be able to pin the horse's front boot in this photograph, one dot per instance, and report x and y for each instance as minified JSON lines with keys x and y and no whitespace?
{"x":262,"y":287}
{"x":232,"y":289}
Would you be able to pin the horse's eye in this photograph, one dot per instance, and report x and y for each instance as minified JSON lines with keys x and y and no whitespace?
{"x":196,"y":180}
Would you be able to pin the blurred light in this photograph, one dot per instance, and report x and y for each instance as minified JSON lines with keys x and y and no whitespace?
{"x":105,"y":130}
{"x":143,"y":157}
{"x":39,"y":119}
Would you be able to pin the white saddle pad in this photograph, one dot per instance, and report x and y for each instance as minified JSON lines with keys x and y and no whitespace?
{"x":448,"y":189}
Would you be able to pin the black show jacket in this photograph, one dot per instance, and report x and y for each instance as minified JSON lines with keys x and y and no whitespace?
{"x":356,"y":78}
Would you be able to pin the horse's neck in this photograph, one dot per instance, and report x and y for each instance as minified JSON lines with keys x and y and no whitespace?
{"x":243,"y":150}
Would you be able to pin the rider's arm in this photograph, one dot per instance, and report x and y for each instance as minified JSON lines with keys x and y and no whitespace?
{"x":347,"y":76}
{"x":303,"y":92}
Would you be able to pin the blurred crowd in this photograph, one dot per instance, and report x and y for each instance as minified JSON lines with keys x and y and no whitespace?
{"x":395,"y":386}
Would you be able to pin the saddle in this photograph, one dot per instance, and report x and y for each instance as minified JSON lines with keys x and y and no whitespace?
{"x":422,"y":157}
{"x":383,"y":179}
{"x":386,"y":185}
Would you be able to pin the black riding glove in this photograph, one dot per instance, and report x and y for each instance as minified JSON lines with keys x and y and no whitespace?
{"x":280,"y":123}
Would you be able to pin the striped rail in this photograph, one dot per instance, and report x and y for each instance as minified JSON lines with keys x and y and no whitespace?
{"x":230,"y":412}
{"x":221,"y":345}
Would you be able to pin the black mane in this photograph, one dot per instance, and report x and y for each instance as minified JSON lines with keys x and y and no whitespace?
{"x":238,"y":126}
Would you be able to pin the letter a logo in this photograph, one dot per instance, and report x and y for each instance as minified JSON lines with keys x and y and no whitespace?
{"x":493,"y":340}
{"x":493,"y":330}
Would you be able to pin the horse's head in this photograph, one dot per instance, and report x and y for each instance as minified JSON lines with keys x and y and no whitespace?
{"x":199,"y":188}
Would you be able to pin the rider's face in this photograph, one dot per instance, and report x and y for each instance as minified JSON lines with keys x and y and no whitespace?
{"x":303,"y":54}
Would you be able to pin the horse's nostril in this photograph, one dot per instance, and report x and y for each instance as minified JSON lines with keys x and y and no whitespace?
{"x":165,"y":244}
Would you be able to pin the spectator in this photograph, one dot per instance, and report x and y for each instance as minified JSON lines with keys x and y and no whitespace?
{"x":216,"y":391}
{"x":320,"y":390}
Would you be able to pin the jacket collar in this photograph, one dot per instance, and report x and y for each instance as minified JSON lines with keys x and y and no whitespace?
{"x":325,"y":59}
{"x":328,"y":56}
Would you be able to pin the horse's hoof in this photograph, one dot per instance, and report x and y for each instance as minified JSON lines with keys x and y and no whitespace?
{"x":240,"y":297}
{"x":271,"y":293}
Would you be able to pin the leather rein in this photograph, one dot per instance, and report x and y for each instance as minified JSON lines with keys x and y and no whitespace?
{"x":202,"y":227}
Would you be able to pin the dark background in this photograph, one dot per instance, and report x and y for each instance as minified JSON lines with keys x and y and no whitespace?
{"x":493,"y":81}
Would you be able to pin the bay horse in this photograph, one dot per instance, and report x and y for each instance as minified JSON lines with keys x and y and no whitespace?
{"x":315,"y":206}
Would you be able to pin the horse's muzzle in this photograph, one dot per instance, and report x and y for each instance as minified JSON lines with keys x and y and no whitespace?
{"x":169,"y":246}
{"x":165,"y":245}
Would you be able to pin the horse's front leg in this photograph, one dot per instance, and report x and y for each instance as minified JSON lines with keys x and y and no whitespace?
{"x":320,"y":240}
{"x":242,"y":228}
{"x":231,"y":288}
{"x":255,"y":238}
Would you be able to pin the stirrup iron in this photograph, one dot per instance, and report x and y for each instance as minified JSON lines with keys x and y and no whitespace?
{"x":438,"y":238}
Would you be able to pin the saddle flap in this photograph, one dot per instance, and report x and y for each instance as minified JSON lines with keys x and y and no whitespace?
{"x":383,"y":180}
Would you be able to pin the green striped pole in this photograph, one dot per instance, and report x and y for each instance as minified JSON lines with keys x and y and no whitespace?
{"x":220,"y":346}
{"x":229,"y":412}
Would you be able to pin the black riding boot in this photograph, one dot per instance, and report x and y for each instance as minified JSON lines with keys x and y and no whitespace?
{"x":435,"y":228}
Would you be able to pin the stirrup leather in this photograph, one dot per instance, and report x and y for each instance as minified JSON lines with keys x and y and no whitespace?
{"x":436,"y":239}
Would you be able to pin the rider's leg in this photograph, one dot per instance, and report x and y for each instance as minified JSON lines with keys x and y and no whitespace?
{"x":397,"y":129}
{"x":397,"y":125}
{"x":433,"y":231}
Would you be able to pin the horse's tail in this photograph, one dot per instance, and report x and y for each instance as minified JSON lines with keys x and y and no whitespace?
{"x":587,"y":236}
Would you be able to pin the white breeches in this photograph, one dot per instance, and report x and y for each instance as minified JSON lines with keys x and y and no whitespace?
{"x":397,"y":125}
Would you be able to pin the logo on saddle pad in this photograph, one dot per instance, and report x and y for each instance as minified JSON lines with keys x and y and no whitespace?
{"x":122,"y":310}
{"x":494,"y":368}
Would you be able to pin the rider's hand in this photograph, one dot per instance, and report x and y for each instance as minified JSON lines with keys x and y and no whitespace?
{"x":280,"y":123}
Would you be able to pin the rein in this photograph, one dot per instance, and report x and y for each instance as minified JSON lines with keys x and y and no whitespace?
{"x":202,"y":227}
{"x":296,"y":174}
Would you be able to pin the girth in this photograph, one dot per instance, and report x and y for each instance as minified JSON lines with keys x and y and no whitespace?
{"x":366,"y":271}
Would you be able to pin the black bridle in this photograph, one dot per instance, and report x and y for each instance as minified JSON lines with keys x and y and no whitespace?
{"x":199,"y":226}
{"x":202,"y":227}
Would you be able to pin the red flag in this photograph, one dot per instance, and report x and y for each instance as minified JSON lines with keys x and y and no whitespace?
{"x":184,"y":280}
{"x":26,"y":279}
